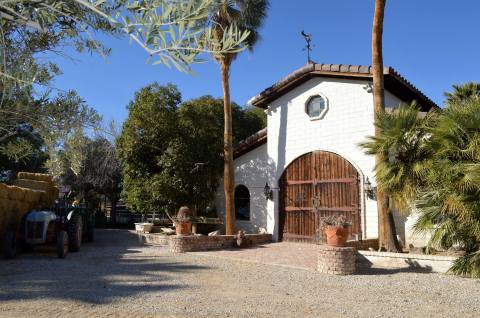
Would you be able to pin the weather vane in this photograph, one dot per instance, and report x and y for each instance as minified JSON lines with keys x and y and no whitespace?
{"x":308,"y":46}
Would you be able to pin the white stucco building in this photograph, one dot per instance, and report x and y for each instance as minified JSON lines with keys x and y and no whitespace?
{"x":309,"y":154}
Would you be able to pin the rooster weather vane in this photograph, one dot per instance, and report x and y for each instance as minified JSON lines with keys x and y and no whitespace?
{"x":308,"y":46}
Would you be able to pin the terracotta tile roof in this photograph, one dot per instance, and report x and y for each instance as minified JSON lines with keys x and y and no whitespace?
{"x":394,"y":82}
{"x":257,"y":139}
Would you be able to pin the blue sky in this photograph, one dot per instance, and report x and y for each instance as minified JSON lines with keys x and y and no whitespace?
{"x":434,"y":44}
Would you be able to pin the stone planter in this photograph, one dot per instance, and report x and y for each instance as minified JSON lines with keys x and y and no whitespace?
{"x":336,"y":260}
{"x":337,"y":236}
{"x":143,"y":227}
{"x":183,"y":227}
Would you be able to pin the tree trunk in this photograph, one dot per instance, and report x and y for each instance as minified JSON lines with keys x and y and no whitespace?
{"x":386,"y":224}
{"x":228,"y":177}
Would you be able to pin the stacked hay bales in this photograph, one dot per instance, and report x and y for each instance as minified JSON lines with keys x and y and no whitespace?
{"x":5,"y":207}
{"x":31,"y":191}
{"x":40,"y":182}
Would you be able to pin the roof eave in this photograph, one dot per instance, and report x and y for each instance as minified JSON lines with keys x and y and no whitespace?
{"x":340,"y":71}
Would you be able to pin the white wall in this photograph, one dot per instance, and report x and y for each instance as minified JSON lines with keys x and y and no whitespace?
{"x":251,"y":170}
{"x":291,"y":133}
{"x":349,"y":120}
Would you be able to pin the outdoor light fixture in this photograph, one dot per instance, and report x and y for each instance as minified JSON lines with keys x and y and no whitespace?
{"x":370,"y":191}
{"x":368,"y":87}
{"x":268,"y":192}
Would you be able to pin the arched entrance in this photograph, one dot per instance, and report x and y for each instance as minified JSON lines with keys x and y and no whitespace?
{"x":313,"y":186}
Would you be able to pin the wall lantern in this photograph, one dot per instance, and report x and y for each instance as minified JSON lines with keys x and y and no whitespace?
{"x":268,"y":192}
{"x":370,"y":191}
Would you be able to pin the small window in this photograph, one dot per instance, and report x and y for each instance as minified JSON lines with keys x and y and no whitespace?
{"x":242,"y":203}
{"x":316,"y":107}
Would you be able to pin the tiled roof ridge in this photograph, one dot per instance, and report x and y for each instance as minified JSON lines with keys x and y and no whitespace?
{"x":349,"y":69}
{"x":251,"y":142}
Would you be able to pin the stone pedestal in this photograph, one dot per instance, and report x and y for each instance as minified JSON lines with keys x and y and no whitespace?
{"x":336,"y":260}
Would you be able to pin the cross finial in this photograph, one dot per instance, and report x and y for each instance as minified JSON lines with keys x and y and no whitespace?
{"x":308,"y":45}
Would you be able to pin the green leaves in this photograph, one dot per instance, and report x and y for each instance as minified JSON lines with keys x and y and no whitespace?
{"x":173,"y":151}
{"x":432,"y":163}
{"x":175,"y":33}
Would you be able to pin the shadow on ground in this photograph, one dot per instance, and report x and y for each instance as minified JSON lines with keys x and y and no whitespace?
{"x":113,"y":266}
{"x":365,"y":270}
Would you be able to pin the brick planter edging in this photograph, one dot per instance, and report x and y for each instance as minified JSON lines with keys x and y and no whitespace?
{"x":191,"y":243}
{"x":336,"y":260}
{"x":154,"y":238}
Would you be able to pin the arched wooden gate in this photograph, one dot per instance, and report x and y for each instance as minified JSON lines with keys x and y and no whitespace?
{"x":313,"y":186}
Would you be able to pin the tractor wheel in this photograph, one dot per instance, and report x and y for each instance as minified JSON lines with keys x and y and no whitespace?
{"x":75,"y":232}
{"x":62,"y":244}
{"x":10,"y":245}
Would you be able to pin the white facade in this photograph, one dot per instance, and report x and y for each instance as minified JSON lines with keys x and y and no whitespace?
{"x":251,"y":170}
{"x":292,"y":133}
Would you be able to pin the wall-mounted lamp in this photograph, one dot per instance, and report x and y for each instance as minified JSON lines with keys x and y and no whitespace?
{"x":368,"y":87}
{"x":370,"y":191}
{"x":268,"y":192}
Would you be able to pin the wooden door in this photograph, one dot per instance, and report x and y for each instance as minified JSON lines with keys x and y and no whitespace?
{"x":313,"y":186}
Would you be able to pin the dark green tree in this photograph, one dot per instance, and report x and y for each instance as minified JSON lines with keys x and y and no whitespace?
{"x":148,"y":136}
{"x":172,"y":152}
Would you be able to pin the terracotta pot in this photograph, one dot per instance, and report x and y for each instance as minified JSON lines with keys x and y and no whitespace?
{"x":183,"y":227}
{"x":337,"y":236}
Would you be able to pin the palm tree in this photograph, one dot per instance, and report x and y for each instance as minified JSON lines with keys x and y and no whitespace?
{"x":245,"y":15}
{"x":401,"y":142}
{"x":386,"y":226}
{"x":449,"y":204}
{"x":432,"y":163}
{"x":462,"y":92}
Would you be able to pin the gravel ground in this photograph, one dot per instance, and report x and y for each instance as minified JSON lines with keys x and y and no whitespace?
{"x":115,"y":277}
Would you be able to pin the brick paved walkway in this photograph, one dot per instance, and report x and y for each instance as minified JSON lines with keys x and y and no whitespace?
{"x":296,"y":255}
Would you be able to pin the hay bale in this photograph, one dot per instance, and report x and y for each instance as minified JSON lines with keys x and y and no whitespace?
{"x":7,"y":204}
{"x":33,"y":184}
{"x":3,"y":191}
{"x":21,"y":208}
{"x":8,"y":210}
{"x":16,"y":193}
{"x":46,"y":200}
{"x":35,"y":176}
{"x":32,"y":196}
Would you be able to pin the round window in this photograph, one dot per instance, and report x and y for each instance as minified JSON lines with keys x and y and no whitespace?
{"x":316,"y":106}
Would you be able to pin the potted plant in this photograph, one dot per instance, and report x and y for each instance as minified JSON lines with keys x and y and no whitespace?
{"x":183,"y":223}
{"x":337,"y":229}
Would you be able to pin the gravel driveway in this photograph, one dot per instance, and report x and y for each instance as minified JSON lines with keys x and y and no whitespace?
{"x":115,"y":277}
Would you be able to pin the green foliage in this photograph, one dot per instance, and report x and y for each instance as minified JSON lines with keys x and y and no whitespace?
{"x":173,"y":152}
{"x":175,"y":32}
{"x":432,"y":163}
{"x":406,"y":157}
{"x":48,"y":122}
{"x":463,"y":92}
{"x":23,"y":151}
{"x":87,"y":164}
{"x":29,"y":29}
{"x":148,"y":133}
{"x":246,"y":15}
